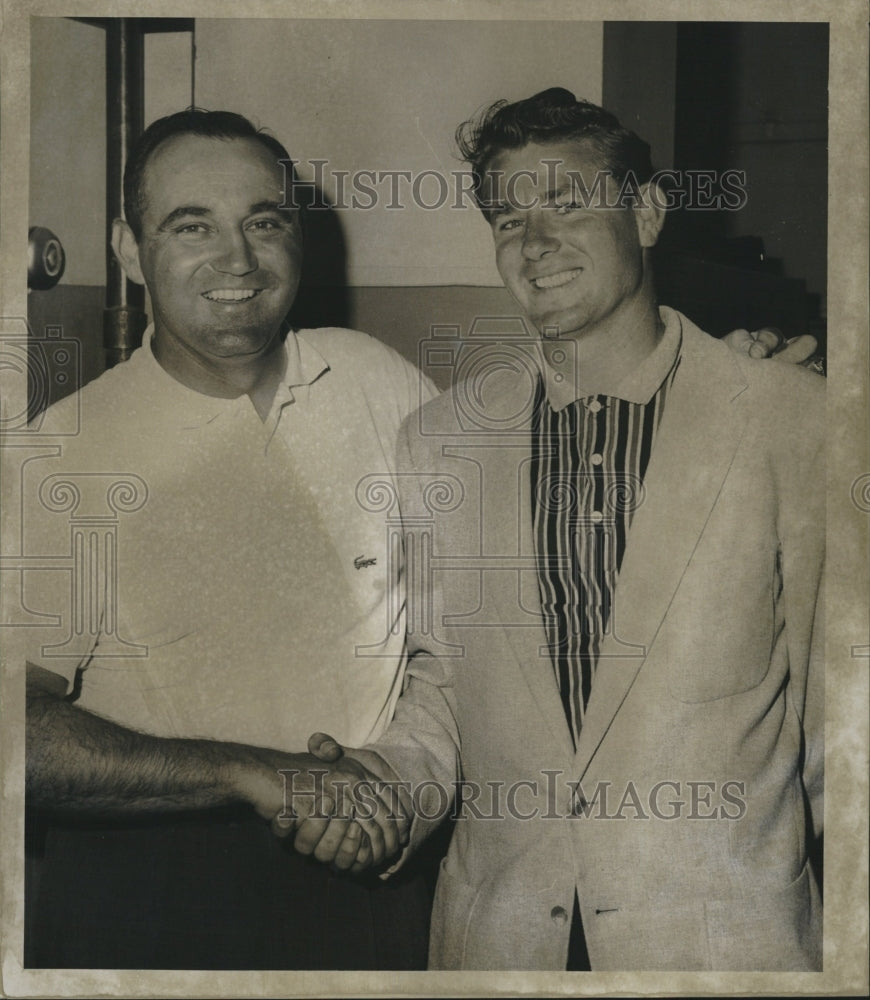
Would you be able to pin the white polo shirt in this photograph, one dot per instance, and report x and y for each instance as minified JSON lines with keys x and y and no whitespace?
{"x":256,"y":594}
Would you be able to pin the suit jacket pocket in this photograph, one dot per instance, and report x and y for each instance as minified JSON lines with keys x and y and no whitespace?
{"x":718,"y":640}
{"x":768,"y":928}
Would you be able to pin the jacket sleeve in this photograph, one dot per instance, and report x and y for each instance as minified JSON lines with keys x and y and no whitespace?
{"x":801,"y":488}
{"x":422,"y":743}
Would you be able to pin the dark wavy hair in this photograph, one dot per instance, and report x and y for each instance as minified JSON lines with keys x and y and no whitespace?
{"x":553,"y":115}
{"x":192,"y":121}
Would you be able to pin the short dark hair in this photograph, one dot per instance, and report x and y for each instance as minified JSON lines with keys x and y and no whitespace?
{"x":552,"y":115}
{"x":192,"y":121}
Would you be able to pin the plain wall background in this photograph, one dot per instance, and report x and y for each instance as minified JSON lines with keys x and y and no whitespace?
{"x":68,"y":142}
{"x":388,"y":95}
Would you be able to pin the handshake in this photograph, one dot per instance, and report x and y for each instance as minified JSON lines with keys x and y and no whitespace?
{"x":344,"y":813}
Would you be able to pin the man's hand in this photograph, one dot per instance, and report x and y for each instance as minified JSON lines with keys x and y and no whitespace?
{"x":770,"y":342}
{"x":368,"y":821}
{"x":338,"y":809}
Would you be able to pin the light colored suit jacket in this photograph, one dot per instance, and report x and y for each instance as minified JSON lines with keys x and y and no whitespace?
{"x":683,"y":818}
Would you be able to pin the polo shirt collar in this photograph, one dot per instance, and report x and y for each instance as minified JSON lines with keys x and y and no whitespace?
{"x":189,"y":408}
{"x":638,"y":385}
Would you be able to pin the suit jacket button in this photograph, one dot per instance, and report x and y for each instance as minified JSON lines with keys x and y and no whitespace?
{"x":559,"y":915}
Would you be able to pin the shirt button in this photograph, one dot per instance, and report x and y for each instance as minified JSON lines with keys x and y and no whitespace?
{"x":597,"y":517}
{"x":594,"y":406}
{"x":559,"y":915}
{"x":597,"y":459}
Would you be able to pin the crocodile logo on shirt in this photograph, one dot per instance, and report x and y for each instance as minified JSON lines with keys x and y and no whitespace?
{"x":361,"y":562}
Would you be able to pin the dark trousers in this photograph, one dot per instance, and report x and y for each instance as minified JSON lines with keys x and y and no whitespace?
{"x":212,"y":890}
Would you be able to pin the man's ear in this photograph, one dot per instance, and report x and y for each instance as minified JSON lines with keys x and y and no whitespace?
{"x":649,"y":214}
{"x":127,"y":250}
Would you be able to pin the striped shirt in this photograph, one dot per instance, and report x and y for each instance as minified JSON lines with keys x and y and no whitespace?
{"x":589,"y":458}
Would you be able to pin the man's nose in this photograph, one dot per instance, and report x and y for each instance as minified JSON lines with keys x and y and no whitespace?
{"x":234,"y":253}
{"x":539,"y":237}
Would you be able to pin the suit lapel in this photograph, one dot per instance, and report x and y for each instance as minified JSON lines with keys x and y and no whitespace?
{"x":508,"y":514}
{"x":694,"y":448}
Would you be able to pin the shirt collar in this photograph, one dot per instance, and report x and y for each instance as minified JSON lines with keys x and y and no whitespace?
{"x":189,"y":408}
{"x":637,"y":386}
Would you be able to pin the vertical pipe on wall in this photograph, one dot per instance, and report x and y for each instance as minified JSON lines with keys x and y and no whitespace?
{"x":124,"y":318}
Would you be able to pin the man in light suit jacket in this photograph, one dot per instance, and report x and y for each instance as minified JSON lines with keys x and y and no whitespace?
{"x":616,"y":540}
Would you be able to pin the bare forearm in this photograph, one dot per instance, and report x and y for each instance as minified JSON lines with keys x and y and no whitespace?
{"x":78,"y":761}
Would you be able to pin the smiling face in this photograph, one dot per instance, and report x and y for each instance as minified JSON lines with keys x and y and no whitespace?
{"x":221,"y":261}
{"x":572,"y":268}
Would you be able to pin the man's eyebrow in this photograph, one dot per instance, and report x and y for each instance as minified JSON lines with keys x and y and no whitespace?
{"x":270,"y":206}
{"x":265,"y":206}
{"x":558,"y":192}
{"x":199,"y":212}
{"x":494,"y":209}
{"x":181,"y":212}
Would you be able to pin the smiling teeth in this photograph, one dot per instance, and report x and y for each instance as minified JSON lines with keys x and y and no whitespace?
{"x":555,"y":280}
{"x":230,"y":294}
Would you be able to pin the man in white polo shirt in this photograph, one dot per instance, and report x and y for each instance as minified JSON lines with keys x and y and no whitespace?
{"x":250,"y":598}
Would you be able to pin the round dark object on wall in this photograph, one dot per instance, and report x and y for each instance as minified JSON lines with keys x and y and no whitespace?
{"x":45,"y":259}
